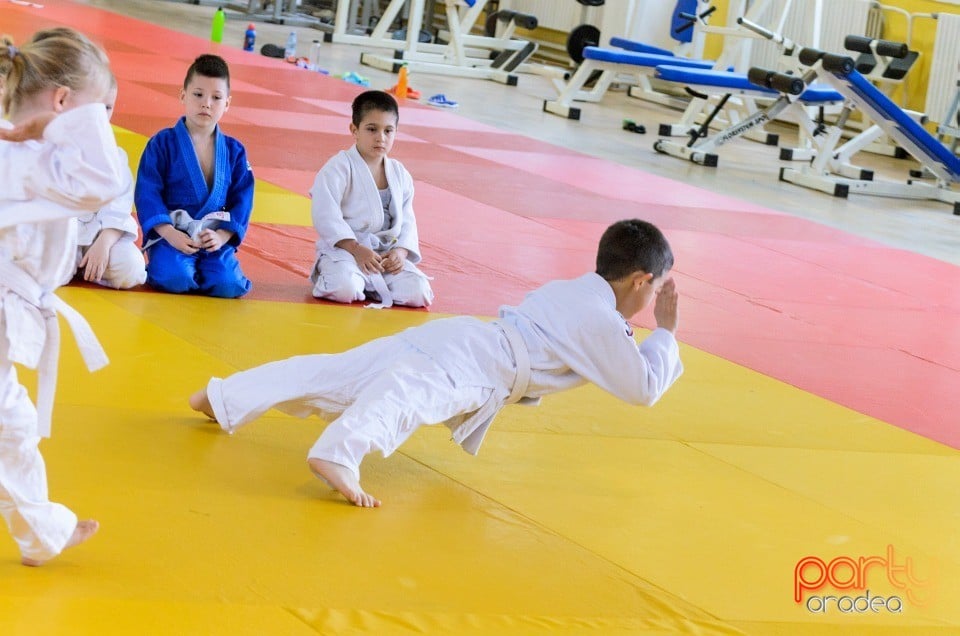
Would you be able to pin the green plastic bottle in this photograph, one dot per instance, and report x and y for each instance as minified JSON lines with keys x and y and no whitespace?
{"x":216,"y":30}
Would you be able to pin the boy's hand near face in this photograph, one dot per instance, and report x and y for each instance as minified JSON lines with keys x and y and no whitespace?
{"x":666,"y":311}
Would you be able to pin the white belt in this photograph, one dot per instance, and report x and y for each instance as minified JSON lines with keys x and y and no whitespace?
{"x":48,"y":305}
{"x":380,"y":286}
{"x":181,"y":220}
{"x":522,"y":357}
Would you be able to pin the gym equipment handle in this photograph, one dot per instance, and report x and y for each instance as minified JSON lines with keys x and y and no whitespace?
{"x":756,"y":28}
{"x":887,"y":48}
{"x":522,"y":20}
{"x":789,"y":84}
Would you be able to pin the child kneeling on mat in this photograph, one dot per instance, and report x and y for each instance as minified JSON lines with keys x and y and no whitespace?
{"x":462,"y":371}
{"x":362,"y":205}
{"x":194,"y":192}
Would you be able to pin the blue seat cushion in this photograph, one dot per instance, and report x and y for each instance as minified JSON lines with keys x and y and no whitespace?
{"x":864,"y":89}
{"x":618,"y":56}
{"x":639,"y":47}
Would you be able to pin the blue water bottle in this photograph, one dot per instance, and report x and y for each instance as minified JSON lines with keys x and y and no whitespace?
{"x":250,"y":38}
{"x":291,"y":49}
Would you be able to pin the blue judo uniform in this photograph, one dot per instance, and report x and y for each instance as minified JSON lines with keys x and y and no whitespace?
{"x":170,"y":178}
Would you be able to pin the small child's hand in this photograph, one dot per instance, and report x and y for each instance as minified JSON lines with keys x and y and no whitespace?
{"x":31,"y":129}
{"x":94,"y":262}
{"x":212,"y":240}
{"x":393,"y":260}
{"x":368,"y":261}
{"x":666,"y":311}
{"x":180,"y":241}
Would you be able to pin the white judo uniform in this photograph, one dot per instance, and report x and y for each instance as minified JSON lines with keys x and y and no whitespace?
{"x":75,"y":169}
{"x":126,"y":266}
{"x":346,"y":204}
{"x":457,"y":371}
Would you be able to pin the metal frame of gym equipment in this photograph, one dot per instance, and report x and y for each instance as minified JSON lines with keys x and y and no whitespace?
{"x":282,"y":12}
{"x":647,"y":90}
{"x":700,"y":149}
{"x":860,"y":93}
{"x":736,"y":53}
{"x":637,"y":78}
{"x":466,"y":55}
{"x":884,"y":63}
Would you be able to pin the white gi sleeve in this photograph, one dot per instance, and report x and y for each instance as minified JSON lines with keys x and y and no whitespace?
{"x":76,"y":166}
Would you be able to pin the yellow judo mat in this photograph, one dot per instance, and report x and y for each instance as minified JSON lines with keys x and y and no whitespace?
{"x":706,"y":514}
{"x":580,"y":516}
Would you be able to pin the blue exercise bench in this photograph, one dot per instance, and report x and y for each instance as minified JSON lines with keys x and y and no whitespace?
{"x":786,"y":90}
{"x":629,"y":62}
{"x":861,"y":94}
{"x":611,"y":64}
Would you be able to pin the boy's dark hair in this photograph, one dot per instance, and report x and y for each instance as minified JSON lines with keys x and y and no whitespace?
{"x":630,"y":246}
{"x":208,"y":65}
{"x":373,"y":100}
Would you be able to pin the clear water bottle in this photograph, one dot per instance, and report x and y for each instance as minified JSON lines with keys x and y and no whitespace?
{"x":315,"y":55}
{"x":291,"y":48}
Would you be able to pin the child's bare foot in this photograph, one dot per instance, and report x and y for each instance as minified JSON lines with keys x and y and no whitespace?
{"x":83,"y":531}
{"x":343,"y":481}
{"x":200,"y":402}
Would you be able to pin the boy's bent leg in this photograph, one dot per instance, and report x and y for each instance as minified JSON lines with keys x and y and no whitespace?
{"x":338,"y":280}
{"x":301,"y":385}
{"x":412,"y":392}
{"x":219,"y":273}
{"x":410,"y":287}
{"x":170,"y":270}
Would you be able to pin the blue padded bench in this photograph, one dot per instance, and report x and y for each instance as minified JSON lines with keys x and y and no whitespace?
{"x":640,"y":47}
{"x":900,"y":126}
{"x":650,"y":60}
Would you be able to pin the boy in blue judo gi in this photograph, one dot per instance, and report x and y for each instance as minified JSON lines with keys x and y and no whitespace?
{"x":194,"y":192}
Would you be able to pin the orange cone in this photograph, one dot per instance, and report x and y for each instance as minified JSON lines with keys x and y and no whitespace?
{"x":402,"y":82}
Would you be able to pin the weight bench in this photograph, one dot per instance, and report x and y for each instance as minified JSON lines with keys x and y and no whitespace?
{"x":881,"y":61}
{"x":860,"y":93}
{"x":611,"y":63}
{"x":786,"y":90}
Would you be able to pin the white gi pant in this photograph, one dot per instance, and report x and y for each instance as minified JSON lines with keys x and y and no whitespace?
{"x":339,"y":279}
{"x":126,"y":266}
{"x":41,"y":528}
{"x":378,"y":393}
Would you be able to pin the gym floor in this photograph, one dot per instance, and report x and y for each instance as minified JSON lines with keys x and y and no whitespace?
{"x":813,"y":435}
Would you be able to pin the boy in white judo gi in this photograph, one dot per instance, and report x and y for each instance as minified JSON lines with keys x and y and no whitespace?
{"x":194,"y":192}
{"x":58,"y":160}
{"x":362,"y":206}
{"x":462,"y":371}
{"x":106,"y":250}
